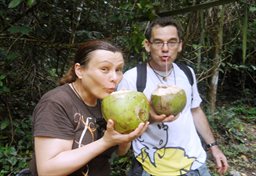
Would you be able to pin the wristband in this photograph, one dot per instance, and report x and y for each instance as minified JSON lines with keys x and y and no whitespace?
{"x":211,"y":144}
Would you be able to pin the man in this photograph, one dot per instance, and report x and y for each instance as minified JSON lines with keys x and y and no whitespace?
{"x":171,"y":145}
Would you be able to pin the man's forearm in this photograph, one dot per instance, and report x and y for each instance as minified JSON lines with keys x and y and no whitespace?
{"x":202,"y":125}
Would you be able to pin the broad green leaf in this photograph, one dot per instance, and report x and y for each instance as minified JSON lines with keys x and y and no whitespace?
{"x":14,"y":3}
{"x":253,"y":67}
{"x":12,"y":160}
{"x":252,"y":9}
{"x":30,"y":3}
{"x":19,"y":29}
{"x":5,"y":89}
{"x":2,"y":77}
{"x":4,"y":124}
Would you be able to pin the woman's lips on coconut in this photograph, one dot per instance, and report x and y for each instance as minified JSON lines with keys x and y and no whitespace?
{"x":110,"y":90}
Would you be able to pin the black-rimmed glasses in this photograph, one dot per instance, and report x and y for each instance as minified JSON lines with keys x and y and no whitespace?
{"x":160,"y":44}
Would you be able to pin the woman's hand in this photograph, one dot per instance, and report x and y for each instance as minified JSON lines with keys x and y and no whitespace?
{"x":113,"y":137}
{"x":123,"y":148}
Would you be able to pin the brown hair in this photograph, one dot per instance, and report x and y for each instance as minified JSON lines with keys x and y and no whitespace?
{"x":82,"y":57}
{"x":163,"y":22}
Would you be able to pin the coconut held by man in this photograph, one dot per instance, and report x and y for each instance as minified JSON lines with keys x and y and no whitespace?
{"x":168,"y":100}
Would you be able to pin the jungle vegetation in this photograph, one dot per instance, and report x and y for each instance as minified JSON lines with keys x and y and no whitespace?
{"x":38,"y":40}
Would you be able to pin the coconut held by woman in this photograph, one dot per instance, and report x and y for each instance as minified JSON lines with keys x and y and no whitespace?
{"x":126,"y":108}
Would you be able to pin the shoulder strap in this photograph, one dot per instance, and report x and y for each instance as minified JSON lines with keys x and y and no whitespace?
{"x":187,"y":72}
{"x":141,"y":76}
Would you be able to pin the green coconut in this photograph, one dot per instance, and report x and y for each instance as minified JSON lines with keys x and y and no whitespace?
{"x":168,"y":100}
{"x":127,"y":109}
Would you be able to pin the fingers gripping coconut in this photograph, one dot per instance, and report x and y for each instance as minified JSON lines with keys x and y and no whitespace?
{"x":168,"y":100}
{"x":127,"y":109}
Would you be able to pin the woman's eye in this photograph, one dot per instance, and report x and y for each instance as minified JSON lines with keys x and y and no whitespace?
{"x":104,"y":69}
{"x":119,"y":70}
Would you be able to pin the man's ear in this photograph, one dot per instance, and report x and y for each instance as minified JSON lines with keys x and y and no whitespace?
{"x":180,"y":46}
{"x":146,"y":44}
{"x":78,"y":70}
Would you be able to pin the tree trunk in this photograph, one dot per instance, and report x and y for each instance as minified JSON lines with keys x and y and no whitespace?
{"x":216,"y":61}
{"x":202,"y":42}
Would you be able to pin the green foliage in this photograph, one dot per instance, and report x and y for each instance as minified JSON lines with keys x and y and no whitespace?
{"x":38,"y":40}
{"x":31,"y":2}
{"x":232,"y":121}
{"x":121,"y":165}
{"x":235,"y":125}
{"x":12,"y":160}
{"x":4,"y":124}
{"x":149,"y":9}
{"x":15,"y":3}
{"x":235,"y":150}
{"x":3,"y":87}
{"x":19,"y":29}
{"x":15,"y":154}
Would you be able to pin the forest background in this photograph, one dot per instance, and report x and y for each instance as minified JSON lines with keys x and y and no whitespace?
{"x":38,"y":40}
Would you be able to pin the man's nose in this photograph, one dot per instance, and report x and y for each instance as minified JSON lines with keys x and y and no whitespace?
{"x":165,"y":47}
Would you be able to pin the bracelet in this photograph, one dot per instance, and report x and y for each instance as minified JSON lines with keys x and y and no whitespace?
{"x":211,"y":144}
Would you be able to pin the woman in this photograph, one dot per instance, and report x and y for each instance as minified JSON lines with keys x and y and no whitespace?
{"x":69,"y":138}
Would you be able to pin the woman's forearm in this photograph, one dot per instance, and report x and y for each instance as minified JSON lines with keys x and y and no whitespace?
{"x":67,"y":161}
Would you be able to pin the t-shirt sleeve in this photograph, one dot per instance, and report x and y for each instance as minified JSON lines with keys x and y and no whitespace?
{"x":51,"y":120}
{"x":196,"y":99}
{"x":129,"y":80}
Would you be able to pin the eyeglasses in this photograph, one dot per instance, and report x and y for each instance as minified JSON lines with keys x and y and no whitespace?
{"x":160,"y":44}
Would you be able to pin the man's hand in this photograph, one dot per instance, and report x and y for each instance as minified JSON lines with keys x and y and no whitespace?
{"x":161,"y":118}
{"x":220,"y":159}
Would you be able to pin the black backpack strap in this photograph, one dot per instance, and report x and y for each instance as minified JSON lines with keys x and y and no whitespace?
{"x":187,"y":72}
{"x":141,"y":76}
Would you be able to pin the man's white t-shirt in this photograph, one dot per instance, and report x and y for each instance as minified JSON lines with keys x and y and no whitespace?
{"x":168,"y":148}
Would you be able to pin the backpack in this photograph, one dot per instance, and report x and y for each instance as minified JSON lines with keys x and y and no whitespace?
{"x":142,"y":72}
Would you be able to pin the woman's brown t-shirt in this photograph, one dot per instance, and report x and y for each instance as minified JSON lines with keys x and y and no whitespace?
{"x":62,"y":114}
